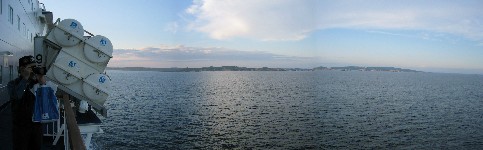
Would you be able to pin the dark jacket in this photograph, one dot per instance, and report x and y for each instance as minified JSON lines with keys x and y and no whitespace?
{"x":26,"y":135}
{"x":22,"y":100}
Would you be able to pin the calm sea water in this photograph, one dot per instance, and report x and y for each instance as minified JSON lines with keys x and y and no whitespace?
{"x":293,"y":110}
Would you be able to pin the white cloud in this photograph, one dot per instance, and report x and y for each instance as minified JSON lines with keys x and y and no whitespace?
{"x":182,"y":56}
{"x":394,"y":34}
{"x":296,"y":19}
{"x":266,"y":20}
{"x":172,"y":27}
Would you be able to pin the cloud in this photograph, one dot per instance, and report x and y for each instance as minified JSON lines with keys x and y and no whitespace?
{"x":172,"y":27}
{"x":181,"y":56}
{"x":296,"y":19}
{"x":266,"y":20}
{"x":395,"y":34}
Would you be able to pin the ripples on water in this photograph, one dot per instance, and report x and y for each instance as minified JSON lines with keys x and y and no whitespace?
{"x":293,"y":110}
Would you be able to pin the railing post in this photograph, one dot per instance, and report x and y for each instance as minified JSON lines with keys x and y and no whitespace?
{"x":74,"y":132}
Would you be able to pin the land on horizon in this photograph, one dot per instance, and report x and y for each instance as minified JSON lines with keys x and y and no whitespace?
{"x":236,"y":68}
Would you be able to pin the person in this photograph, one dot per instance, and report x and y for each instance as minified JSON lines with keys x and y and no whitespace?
{"x":26,"y":134}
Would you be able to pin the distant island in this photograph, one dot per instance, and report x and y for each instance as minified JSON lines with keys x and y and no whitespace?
{"x":236,"y":68}
{"x":357,"y":68}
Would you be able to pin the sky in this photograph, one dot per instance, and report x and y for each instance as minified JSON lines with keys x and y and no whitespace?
{"x":434,"y":36}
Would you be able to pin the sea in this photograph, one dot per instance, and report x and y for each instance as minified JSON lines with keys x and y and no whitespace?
{"x":292,"y":110}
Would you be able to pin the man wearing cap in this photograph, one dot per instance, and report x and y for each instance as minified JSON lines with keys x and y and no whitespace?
{"x":26,"y":134}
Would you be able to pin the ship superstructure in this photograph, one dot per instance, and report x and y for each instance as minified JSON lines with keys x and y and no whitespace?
{"x":20,"y":22}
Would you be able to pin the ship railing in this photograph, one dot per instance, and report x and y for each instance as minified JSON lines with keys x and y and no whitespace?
{"x":68,"y":127}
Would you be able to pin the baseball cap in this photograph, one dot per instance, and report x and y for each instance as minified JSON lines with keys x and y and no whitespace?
{"x":26,"y":60}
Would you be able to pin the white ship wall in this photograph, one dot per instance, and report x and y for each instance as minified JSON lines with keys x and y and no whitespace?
{"x":17,"y":41}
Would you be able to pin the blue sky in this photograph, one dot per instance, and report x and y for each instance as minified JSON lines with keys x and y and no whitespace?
{"x":439,"y":36}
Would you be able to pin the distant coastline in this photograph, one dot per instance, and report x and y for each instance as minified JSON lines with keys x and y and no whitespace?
{"x":357,"y":68}
{"x":236,"y":68}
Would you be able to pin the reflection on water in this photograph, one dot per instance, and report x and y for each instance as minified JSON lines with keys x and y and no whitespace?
{"x":293,"y":110}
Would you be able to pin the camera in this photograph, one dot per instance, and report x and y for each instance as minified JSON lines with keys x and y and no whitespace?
{"x":39,"y":70}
